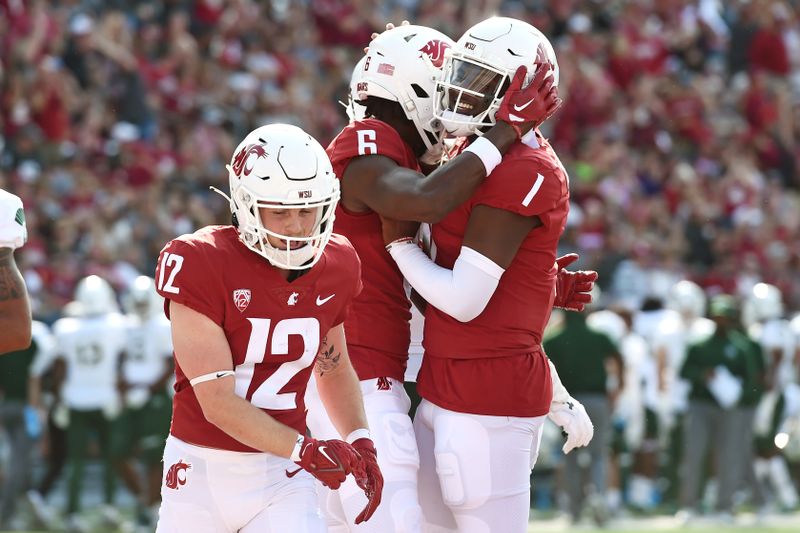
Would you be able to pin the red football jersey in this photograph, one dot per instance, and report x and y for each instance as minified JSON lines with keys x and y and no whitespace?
{"x":494,"y":364}
{"x":378,"y":332}
{"x":274,"y":327}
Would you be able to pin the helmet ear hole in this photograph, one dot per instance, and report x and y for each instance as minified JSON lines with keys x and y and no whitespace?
{"x":419,"y":91}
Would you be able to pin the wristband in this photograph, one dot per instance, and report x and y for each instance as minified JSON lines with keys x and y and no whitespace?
{"x":398,"y":242}
{"x":298,"y":445}
{"x":487,"y":152}
{"x":362,"y":433}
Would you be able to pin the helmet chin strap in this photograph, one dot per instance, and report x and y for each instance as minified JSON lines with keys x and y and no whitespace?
{"x":458,"y":124}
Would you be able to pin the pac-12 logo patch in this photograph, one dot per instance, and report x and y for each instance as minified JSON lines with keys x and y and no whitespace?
{"x":241,"y":297}
{"x":176,"y":475}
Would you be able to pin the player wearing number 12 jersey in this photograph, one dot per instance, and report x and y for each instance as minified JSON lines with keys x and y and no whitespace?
{"x":378,"y":161}
{"x":251,"y":306}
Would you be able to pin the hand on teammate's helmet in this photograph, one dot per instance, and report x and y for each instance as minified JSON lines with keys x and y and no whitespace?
{"x":328,"y":460}
{"x":369,"y":477}
{"x":573,"y":289}
{"x":525,"y":108}
{"x":571,"y":417}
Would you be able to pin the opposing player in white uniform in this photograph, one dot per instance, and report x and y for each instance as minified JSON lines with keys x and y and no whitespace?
{"x":146,"y":369}
{"x":669,"y":334}
{"x":15,"y":313}
{"x":764,"y":311}
{"x":90,"y":344}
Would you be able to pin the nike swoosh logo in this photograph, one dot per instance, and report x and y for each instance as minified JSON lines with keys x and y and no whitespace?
{"x":521,"y":107}
{"x":324,"y":452}
{"x":221,"y":374}
{"x":321,"y":301}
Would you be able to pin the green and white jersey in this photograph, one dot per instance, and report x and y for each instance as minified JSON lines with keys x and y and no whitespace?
{"x":148,"y":346}
{"x":91,"y":347}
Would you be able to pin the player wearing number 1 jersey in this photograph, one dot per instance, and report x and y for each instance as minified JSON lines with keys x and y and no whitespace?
{"x":485,"y":381}
{"x":251,"y":306}
{"x":378,"y":162}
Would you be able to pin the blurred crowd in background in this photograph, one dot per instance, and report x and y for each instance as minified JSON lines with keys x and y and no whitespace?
{"x":679,"y":127}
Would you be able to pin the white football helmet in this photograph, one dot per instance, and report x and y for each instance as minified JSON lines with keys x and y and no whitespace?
{"x":687,"y":298}
{"x":478,"y":70}
{"x":402,"y":65}
{"x":763,"y":303}
{"x":142,"y":299}
{"x":356,"y":111}
{"x":281,"y":166}
{"x":608,"y":322}
{"x":93,"y":297}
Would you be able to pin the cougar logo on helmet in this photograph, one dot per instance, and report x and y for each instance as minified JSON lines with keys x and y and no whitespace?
{"x":176,"y":475}
{"x":435,"y":50}
{"x":243,"y":157}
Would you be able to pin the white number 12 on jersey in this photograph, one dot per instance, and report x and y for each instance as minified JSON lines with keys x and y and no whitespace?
{"x":267,"y":395}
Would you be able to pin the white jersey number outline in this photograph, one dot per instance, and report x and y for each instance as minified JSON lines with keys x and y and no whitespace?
{"x":267,"y":395}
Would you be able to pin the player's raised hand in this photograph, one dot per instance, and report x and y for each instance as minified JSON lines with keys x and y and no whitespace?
{"x":573,"y":288}
{"x":389,"y":26}
{"x":369,"y":477}
{"x":525,"y":108}
{"x":330,"y":461}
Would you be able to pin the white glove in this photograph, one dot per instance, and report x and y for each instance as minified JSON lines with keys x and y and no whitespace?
{"x":571,"y":417}
{"x":13,"y":232}
{"x":569,"y":414}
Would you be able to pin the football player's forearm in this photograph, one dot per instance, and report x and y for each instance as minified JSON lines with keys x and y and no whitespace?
{"x":338,"y":385}
{"x":249,"y":425}
{"x":452,"y":184}
{"x":15,"y":315}
{"x":340,"y":393}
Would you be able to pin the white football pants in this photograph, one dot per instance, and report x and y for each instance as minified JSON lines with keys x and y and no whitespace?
{"x":206,"y":490}
{"x":474,"y":474}
{"x":386,"y":404}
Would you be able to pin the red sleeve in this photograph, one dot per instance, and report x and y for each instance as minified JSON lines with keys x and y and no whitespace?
{"x":185,"y":275}
{"x":524,"y":186}
{"x":369,"y":137}
{"x":353,"y":265}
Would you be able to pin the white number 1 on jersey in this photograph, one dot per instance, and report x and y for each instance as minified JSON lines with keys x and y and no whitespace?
{"x":267,"y":395}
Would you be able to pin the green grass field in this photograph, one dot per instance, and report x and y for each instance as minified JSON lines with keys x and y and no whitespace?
{"x":747,"y":523}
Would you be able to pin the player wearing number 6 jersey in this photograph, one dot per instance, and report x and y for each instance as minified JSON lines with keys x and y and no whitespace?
{"x":251,"y":306}
{"x":378,"y":162}
{"x":485,"y":381}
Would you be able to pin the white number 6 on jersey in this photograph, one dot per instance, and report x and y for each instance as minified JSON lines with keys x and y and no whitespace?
{"x":366,"y":141}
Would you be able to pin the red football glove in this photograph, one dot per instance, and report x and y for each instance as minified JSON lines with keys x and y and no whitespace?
{"x":525,"y":108}
{"x":327,"y":460}
{"x":369,"y":478}
{"x":573,"y":288}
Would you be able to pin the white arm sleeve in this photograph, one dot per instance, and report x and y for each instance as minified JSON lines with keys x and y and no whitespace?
{"x":560,"y":392}
{"x":463,"y":292}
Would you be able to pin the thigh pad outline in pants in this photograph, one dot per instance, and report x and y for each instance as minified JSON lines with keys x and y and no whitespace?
{"x":462,"y":453}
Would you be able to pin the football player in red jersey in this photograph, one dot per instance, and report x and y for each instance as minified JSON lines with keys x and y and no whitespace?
{"x":251,"y":306}
{"x":378,"y":162}
{"x":485,"y":381}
